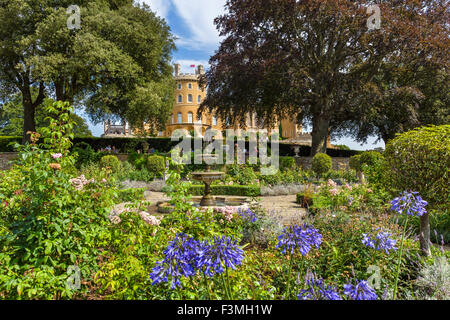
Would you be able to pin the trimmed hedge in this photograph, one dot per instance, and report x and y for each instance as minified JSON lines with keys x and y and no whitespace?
{"x":110,"y":161}
{"x":321,"y":163}
{"x":128,"y":145}
{"x":156,"y":165}
{"x":223,"y":190}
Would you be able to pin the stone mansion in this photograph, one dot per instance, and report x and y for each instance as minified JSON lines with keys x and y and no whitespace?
{"x":188,"y":97}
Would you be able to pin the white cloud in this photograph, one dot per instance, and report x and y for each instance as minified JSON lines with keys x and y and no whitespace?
{"x":199,"y":17}
{"x":186,"y":65}
{"x":161,"y":7}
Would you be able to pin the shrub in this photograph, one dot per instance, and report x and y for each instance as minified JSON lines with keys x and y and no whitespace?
{"x":370,"y":158}
{"x":287,"y":163}
{"x":86,"y":154}
{"x":156,"y":165}
{"x":110,"y":161}
{"x":354,"y":162}
{"x":53,"y":223}
{"x":6,"y":143}
{"x":130,"y":195}
{"x":419,"y":160}
{"x":321,"y":163}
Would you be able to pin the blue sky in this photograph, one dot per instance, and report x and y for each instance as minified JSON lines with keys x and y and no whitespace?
{"x":191,"y":21}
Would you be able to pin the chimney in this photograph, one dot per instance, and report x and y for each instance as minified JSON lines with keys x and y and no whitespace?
{"x":177,"y":69}
{"x":200,"y":70}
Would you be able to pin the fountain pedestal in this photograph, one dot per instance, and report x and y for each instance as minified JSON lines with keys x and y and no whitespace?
{"x":207,"y":177}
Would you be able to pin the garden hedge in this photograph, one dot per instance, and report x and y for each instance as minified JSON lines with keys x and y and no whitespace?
{"x":128,"y":145}
{"x":223,"y":190}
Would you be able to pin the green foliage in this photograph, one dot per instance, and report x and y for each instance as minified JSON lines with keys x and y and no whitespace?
{"x":419,"y":160}
{"x":111,"y":162}
{"x":101,"y":63}
{"x":321,"y":163}
{"x":156,"y":165}
{"x":7,"y":143}
{"x":287,"y":163}
{"x":12,"y":112}
{"x":130,"y":195}
{"x":354,"y":162}
{"x":49,"y":225}
{"x":370,"y":158}
{"x":86,"y":154}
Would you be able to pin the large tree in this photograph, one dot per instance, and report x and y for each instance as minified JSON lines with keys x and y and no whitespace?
{"x":11,"y":117}
{"x":121,"y":51}
{"x":411,"y":87}
{"x":286,"y":57}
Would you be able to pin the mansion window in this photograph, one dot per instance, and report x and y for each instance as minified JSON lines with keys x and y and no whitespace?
{"x":180,"y":117}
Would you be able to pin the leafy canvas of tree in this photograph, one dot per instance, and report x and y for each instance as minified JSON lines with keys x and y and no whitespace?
{"x":118,"y":63}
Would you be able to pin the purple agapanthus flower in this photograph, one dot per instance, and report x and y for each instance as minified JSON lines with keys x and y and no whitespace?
{"x":301,"y":237}
{"x":317,"y":290}
{"x":219,"y":253}
{"x":179,"y":260}
{"x":247,"y":215}
{"x":410,"y":203}
{"x":361,"y":291}
{"x":367,"y":241}
{"x":382,"y":241}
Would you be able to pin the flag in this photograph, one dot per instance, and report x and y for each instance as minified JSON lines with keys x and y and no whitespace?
{"x":192,"y":65}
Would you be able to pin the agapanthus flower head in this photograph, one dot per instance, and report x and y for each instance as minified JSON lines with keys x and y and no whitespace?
{"x":367,"y":241}
{"x":382,"y":241}
{"x":410,"y":203}
{"x":317,"y":290}
{"x":361,"y":291}
{"x":247,"y":215}
{"x":179,"y":260}
{"x":301,"y":237}
{"x":218,"y":253}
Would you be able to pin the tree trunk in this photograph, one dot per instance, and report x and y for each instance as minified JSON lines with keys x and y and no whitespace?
{"x":29,"y":110}
{"x":424,"y":235}
{"x":29,"y":123}
{"x":320,"y":128}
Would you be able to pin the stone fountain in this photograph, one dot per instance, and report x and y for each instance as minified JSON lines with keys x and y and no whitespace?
{"x":207,"y":177}
{"x":208,"y":201}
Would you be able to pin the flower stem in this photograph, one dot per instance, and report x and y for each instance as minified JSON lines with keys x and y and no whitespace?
{"x":207,"y":286}
{"x":225,"y":287}
{"x":228,"y":282}
{"x":394,"y":296}
{"x":289,"y":278}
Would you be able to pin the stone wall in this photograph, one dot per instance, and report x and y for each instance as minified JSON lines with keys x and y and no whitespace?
{"x":339,"y":163}
{"x":5,"y":158}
